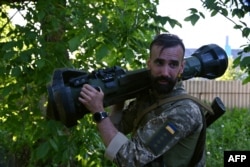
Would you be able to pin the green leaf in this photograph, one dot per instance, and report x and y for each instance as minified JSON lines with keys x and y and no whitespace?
{"x":188,"y":18}
{"x":224,"y":12}
{"x":40,"y":63}
{"x":19,"y":44}
{"x":16,"y":71}
{"x":129,"y":55}
{"x":41,"y":15}
{"x":236,"y":61}
{"x":53,"y":144}
{"x":245,"y":24}
{"x":6,"y":90}
{"x":239,"y":13}
{"x":173,"y":23}
{"x":246,"y":49}
{"x":25,"y":56}
{"x":192,"y":18}
{"x":193,"y":10}
{"x":237,"y":26}
{"x":246,"y":32}
{"x":101,"y":52}
{"x":163,"y":20}
{"x":202,"y":15}
{"x":74,"y":43}
{"x":42,"y":150}
{"x":9,"y":55}
{"x":246,"y":80}
{"x":245,"y":62}
{"x":213,"y":13}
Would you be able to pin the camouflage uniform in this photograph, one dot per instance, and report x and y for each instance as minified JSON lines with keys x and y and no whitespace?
{"x":166,"y":136}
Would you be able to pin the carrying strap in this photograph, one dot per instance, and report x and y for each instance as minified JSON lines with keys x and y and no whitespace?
{"x":167,"y":100}
{"x":200,"y":145}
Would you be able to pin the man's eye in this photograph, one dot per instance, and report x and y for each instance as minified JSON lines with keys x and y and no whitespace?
{"x":173,"y":64}
{"x":159,"y":62}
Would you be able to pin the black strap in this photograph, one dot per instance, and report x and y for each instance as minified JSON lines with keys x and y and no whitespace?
{"x":167,"y":100}
{"x":200,"y":146}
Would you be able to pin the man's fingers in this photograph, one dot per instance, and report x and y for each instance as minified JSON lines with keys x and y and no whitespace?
{"x":89,"y":88}
{"x":88,"y":92}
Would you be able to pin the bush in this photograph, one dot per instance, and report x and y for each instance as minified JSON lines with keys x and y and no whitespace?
{"x":230,"y":132}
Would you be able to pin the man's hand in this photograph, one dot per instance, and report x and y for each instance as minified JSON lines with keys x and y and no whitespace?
{"x":91,"y":98}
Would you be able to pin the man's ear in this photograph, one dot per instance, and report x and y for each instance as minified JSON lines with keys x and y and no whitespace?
{"x":182,"y":66}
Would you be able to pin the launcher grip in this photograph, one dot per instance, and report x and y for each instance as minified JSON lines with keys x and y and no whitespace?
{"x":218,"y":109}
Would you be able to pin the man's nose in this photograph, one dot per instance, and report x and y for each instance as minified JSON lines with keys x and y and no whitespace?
{"x":164,"y":71}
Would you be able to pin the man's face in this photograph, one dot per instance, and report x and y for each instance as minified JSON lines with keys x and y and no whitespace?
{"x":165,"y":67}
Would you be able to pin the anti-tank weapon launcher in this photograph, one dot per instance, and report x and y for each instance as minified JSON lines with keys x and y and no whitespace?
{"x":209,"y":61}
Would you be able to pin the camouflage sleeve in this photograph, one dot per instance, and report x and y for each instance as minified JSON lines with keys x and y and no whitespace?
{"x":159,"y":134}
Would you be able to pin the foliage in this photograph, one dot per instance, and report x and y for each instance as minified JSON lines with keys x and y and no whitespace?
{"x":232,"y":73}
{"x":231,"y":132}
{"x":5,"y":27}
{"x":237,"y":9}
{"x":80,"y":34}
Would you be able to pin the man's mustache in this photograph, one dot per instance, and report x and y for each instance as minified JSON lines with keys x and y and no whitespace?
{"x":164,"y":79}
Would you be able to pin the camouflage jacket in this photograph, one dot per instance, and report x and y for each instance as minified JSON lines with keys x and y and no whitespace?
{"x":166,"y":136}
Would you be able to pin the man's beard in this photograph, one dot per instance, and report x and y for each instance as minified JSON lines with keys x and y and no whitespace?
{"x":163,"y":88}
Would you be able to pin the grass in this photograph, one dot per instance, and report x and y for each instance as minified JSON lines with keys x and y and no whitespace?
{"x":230,"y":132}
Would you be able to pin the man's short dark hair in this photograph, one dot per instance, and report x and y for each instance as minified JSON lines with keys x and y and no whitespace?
{"x":166,"y":41}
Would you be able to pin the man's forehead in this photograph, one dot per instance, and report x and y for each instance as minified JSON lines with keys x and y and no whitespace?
{"x":174,"y":53}
{"x":157,"y":47}
{"x":166,"y":59}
